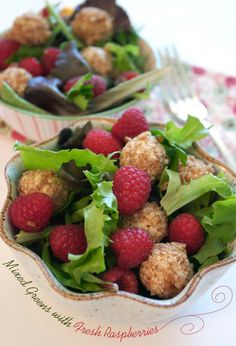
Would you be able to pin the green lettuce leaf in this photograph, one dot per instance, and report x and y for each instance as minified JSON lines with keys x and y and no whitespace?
{"x":60,"y":23}
{"x":179,"y":195}
{"x":192,"y":131}
{"x":219,"y":221}
{"x":12,"y":98}
{"x":122,"y":60}
{"x":176,"y":140}
{"x":210,"y":249}
{"x":81,"y":93}
{"x":34,"y":158}
{"x":100,"y":220}
{"x":26,"y":51}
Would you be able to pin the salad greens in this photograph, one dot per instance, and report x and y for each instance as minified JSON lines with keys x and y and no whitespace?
{"x":61,"y":24}
{"x":81,"y":93}
{"x":12,"y":98}
{"x":98,"y":211}
{"x":176,"y":140}
{"x":70,"y":63}
{"x":210,"y":198}
{"x":218,"y":219}
{"x":45,"y":93}
{"x":178,"y":195}
{"x":26,"y":51}
{"x":34,"y":158}
{"x":60,"y":55}
{"x":122,"y":56}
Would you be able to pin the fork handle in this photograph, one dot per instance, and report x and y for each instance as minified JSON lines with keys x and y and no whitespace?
{"x":225,"y":153}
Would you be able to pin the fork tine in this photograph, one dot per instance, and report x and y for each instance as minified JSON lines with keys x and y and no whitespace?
{"x":183,"y":74}
{"x":177,"y":83}
{"x":165,"y":85}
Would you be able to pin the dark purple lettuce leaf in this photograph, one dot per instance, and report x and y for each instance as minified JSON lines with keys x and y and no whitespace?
{"x":109,"y":6}
{"x":74,"y":176}
{"x":121,"y":18}
{"x":68,"y":139}
{"x":70,"y":63}
{"x":45,"y":93}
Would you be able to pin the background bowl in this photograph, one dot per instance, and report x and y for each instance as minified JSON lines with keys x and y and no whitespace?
{"x":39,"y":127}
{"x":106,"y":306}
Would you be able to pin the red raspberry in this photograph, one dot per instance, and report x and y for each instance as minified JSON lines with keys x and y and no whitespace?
{"x":49,"y":58}
{"x":185,"y":228}
{"x":131,"y":187}
{"x":127,"y":75}
{"x":128,"y":282}
{"x":7,"y":49}
{"x":131,"y":124}
{"x":44,"y":12}
{"x":113,"y":274}
{"x":32,"y":65}
{"x":67,"y":239}
{"x":125,"y":279}
{"x":101,"y":142}
{"x":32,"y":212}
{"x":132,"y":246}
{"x":98,"y":82}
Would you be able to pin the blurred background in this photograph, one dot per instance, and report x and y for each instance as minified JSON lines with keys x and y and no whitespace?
{"x":204,"y":31}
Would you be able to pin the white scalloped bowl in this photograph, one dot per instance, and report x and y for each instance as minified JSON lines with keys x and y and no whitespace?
{"x":107,"y":306}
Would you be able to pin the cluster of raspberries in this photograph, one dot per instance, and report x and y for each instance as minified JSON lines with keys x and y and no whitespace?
{"x":163,"y":268}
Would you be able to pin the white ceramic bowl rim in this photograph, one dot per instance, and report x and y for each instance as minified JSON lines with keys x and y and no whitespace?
{"x":71,"y":117}
{"x":182,"y":297}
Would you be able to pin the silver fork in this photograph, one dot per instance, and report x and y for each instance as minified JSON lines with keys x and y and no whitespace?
{"x":181,"y":100}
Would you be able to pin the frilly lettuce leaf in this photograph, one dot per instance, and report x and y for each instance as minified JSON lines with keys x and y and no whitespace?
{"x":192,"y":131}
{"x":122,"y":56}
{"x":219,"y":222}
{"x":178,"y":195}
{"x":176,"y":140}
{"x":218,"y":218}
{"x":100,"y":215}
{"x":81,"y":93}
{"x":100,"y":220}
{"x":35,"y":158}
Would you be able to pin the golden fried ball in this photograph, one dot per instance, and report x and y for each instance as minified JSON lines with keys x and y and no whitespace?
{"x":16,"y":77}
{"x":99,"y":59}
{"x":92,"y":24}
{"x":45,"y":181}
{"x":144,"y":152}
{"x":167,"y":270}
{"x":31,"y":29}
{"x":151,"y":218}
{"x":194,"y":169}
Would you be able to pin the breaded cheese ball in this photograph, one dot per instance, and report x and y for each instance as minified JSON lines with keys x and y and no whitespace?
{"x":195,"y":168}
{"x":167,"y":270}
{"x":92,"y":24}
{"x":45,"y":181}
{"x":151,"y":219}
{"x":31,"y":29}
{"x":17,"y":78}
{"x":145,"y":152}
{"x":99,"y":59}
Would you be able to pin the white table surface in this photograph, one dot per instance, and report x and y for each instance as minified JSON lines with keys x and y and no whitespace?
{"x":204,"y":32}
